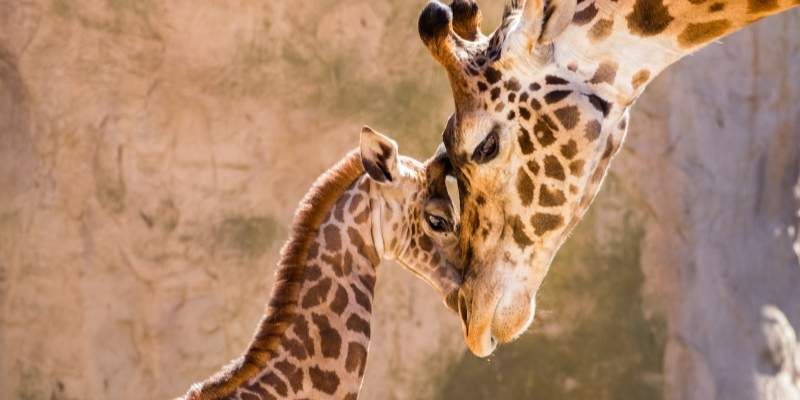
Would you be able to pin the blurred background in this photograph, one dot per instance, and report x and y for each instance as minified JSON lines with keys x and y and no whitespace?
{"x":152,"y":154}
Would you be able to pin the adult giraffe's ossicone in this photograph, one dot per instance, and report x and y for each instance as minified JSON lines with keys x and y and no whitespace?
{"x":541,"y":108}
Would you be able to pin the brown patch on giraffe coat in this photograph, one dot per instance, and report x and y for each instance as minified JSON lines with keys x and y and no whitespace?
{"x":543,"y":222}
{"x":294,"y":347}
{"x":543,"y":130}
{"x":536,"y":105}
{"x":524,"y":187}
{"x":362,"y":217}
{"x":523,"y":97}
{"x":317,"y":294}
{"x":695,"y":34}
{"x":300,"y":328}
{"x":356,"y":359}
{"x":572,"y":66}
{"x":324,"y":381}
{"x":511,"y":97}
{"x":511,"y":115}
{"x":369,"y":282}
{"x":524,"y":113}
{"x":518,"y":232}
{"x":534,"y":167}
{"x":586,"y":15}
{"x":592,"y":130}
{"x":576,"y":167}
{"x":292,"y":374}
{"x":553,"y":168}
{"x":609,"y":148}
{"x":333,"y":240}
{"x":606,"y":72}
{"x":347,"y":264}
{"x":570,"y":149}
{"x":313,"y":273}
{"x":716,"y":7}
{"x":425,"y":243}
{"x":355,"y":202}
{"x":339,"y":302}
{"x":512,"y":85}
{"x":492,"y":75}
{"x":313,"y":250}
{"x":361,"y":298}
{"x":358,"y":324}
{"x":351,"y":396}
{"x":524,"y":139}
{"x":600,"y":30}
{"x":551,"y":197}
{"x":365,"y":250}
{"x":761,"y":6}
{"x":330,"y":341}
{"x":648,"y":18}
{"x":274,"y":381}
{"x":482,"y":86}
{"x":338,"y":212}
{"x":495,"y":93}
{"x":599,"y":103}
{"x":335,"y":261}
{"x":639,"y":78}
{"x":568,"y":116}
{"x":555,"y":80}
{"x":556,"y":95}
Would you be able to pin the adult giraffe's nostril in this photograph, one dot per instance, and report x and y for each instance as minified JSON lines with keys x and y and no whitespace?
{"x":463,"y":311}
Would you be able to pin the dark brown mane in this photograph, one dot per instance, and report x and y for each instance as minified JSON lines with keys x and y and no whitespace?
{"x":282,"y":306}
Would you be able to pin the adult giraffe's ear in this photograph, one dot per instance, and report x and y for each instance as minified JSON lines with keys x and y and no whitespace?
{"x":378,"y":155}
{"x":546,"y":19}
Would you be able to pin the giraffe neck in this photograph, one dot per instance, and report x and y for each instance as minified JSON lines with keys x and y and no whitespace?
{"x":324,"y":352}
{"x":631,"y":41}
{"x":313,"y":343}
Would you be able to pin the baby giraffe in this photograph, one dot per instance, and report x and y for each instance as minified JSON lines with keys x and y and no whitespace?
{"x":312,"y":342}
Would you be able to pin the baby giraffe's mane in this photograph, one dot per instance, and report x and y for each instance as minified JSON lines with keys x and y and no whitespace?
{"x":283,"y":303}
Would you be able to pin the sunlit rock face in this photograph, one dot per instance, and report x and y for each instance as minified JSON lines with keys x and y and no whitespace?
{"x":152,"y":153}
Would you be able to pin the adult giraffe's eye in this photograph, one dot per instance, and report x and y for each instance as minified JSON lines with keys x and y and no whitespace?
{"x":487,"y":150}
{"x":437,"y":223}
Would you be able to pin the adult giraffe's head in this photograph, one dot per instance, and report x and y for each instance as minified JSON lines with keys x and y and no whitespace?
{"x":530,"y":140}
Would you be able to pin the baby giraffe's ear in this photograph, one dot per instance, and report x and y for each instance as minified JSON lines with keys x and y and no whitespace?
{"x":378,"y":155}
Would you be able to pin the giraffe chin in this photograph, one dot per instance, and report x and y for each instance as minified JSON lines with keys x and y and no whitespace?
{"x":491,"y":322}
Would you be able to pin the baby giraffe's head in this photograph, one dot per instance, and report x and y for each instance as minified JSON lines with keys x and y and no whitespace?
{"x":414,"y":222}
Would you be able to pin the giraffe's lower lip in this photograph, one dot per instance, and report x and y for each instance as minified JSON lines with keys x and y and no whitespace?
{"x":478,"y":331}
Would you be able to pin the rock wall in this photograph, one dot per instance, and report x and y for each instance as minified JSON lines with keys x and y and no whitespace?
{"x":151,"y":155}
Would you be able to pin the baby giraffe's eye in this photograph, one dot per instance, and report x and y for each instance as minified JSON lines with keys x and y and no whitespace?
{"x":437,"y":223}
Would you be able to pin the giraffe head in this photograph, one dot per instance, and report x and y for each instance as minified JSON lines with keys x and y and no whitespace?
{"x":529,"y":142}
{"x":416,"y":225}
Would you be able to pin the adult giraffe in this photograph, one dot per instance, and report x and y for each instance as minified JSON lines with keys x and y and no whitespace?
{"x":541,"y":108}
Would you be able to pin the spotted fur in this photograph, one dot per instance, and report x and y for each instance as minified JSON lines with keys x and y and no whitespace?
{"x":554,"y":83}
{"x":313,"y":340}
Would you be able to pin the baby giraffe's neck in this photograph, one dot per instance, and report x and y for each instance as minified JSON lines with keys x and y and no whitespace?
{"x":313,"y":341}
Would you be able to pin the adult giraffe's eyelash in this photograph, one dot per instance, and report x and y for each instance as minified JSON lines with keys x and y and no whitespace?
{"x":488,"y":148}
